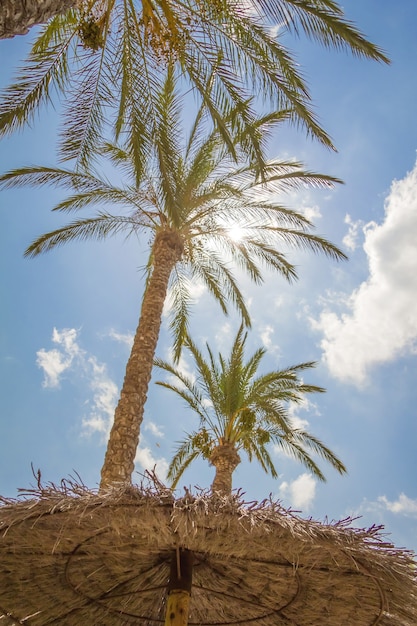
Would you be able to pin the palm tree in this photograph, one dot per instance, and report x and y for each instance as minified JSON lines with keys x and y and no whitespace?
{"x":185,"y":199}
{"x":242,"y":410}
{"x":104,"y":57}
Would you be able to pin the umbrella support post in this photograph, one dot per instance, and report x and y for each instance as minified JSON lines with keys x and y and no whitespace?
{"x":179,"y":588}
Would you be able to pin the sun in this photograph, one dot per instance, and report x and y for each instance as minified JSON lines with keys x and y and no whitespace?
{"x":236,"y":233}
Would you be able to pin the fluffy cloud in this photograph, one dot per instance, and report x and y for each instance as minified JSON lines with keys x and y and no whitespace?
{"x":153,"y":428}
{"x":350,"y":240}
{"x":381,"y":508}
{"x":146,"y":460}
{"x":125,"y":338}
{"x":403,"y":506}
{"x":300,"y":492}
{"x":381,"y":321}
{"x":69,"y":357}
{"x":56,"y":361}
{"x":266,"y":333}
{"x":311,"y":212}
{"x":105,"y":395}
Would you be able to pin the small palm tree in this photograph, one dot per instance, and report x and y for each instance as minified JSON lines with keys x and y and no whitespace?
{"x":105,"y":58}
{"x":185,"y":199}
{"x":242,"y":410}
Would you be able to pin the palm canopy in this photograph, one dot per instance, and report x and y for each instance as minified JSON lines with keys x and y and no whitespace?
{"x":242,"y":410}
{"x":104,"y":57}
{"x":188,"y":188}
{"x":184,"y":196}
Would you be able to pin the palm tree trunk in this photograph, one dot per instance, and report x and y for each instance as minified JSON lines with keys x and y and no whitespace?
{"x":17,"y":16}
{"x":225,"y":459}
{"x":124,"y":436}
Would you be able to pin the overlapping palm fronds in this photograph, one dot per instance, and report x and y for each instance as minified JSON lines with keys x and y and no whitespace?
{"x":240,"y":409}
{"x":105,"y":57}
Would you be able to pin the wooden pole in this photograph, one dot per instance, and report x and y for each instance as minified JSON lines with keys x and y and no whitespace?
{"x":179,"y":588}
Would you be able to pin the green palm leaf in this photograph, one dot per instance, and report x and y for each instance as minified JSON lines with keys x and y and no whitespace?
{"x":97,"y":228}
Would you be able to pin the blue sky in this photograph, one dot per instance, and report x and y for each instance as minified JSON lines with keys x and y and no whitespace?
{"x":67,"y":317}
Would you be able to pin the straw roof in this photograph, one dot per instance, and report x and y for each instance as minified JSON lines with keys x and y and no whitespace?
{"x":72,"y":556}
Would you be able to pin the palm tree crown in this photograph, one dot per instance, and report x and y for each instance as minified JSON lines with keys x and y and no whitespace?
{"x":242,"y":410}
{"x":105,"y":58}
{"x":184,"y":197}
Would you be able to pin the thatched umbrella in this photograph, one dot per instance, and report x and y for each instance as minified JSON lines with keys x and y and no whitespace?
{"x":72,"y":556}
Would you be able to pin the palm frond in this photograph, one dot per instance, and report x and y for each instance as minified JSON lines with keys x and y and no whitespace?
{"x":207,"y":372}
{"x":247,"y":254}
{"x":56,"y":177}
{"x":305,"y":241}
{"x":183,"y":457}
{"x":112,"y":197}
{"x":46,"y":69}
{"x":86,"y":111}
{"x":226,"y":53}
{"x":186,"y":389}
{"x":180,"y":310}
{"x":248,"y":411}
{"x":254,"y":448}
{"x":318,"y":448}
{"x":297,"y":452}
{"x":279,"y":177}
{"x":217,"y":114}
{"x":138,"y":83}
{"x":322,"y":21}
{"x":97,"y":228}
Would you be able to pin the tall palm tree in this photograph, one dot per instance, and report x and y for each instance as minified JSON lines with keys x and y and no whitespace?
{"x":104,"y":57}
{"x":242,"y":410}
{"x":185,"y":197}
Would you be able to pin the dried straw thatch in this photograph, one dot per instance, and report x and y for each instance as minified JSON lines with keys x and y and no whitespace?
{"x":72,"y":556}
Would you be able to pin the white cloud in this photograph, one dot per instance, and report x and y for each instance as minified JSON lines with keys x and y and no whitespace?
{"x":153,"y":428}
{"x":147,"y":461}
{"x":266,"y":335}
{"x":56,"y":361}
{"x":223,"y":333}
{"x":403,"y":506}
{"x":105,"y":396}
{"x":69,"y":357}
{"x":53,"y":364}
{"x":125,"y":338}
{"x":380,"y":509}
{"x":381,"y":321}
{"x":276,"y":30}
{"x":296,"y":421}
{"x":300,"y":492}
{"x":350,"y":240}
{"x":311,"y":212}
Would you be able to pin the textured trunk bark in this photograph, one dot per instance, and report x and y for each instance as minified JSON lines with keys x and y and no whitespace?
{"x":124,"y":436}
{"x":17,"y":16}
{"x":225,"y":459}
